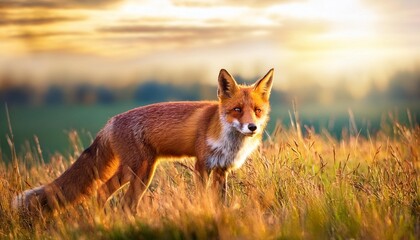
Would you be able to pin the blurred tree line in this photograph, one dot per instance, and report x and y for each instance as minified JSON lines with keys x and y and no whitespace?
{"x":404,"y":86}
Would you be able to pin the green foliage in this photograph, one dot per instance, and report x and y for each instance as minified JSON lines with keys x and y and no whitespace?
{"x":51,"y":124}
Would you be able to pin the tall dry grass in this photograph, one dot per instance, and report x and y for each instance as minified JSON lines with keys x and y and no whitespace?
{"x":299,"y":184}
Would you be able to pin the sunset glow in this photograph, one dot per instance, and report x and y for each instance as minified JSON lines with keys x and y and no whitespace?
{"x":317,"y":40}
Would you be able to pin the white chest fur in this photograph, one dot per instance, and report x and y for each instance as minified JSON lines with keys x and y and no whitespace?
{"x":231,"y":150}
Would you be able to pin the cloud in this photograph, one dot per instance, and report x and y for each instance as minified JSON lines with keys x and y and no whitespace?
{"x":182,"y":34}
{"x":218,"y":3}
{"x":32,"y":35}
{"x":302,"y":35}
{"x":55,"y":4}
{"x":179,"y":29}
{"x":258,"y":3}
{"x":23,"y":21}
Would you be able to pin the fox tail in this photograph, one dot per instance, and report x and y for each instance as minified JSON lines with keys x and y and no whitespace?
{"x":96,"y":164}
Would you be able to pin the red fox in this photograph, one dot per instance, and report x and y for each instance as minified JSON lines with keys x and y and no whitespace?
{"x":219,"y":134}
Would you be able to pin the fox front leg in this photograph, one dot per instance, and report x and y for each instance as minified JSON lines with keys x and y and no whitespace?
{"x":220,"y":183}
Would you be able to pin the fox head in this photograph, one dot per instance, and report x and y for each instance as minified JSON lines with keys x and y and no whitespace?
{"x":245,"y":108}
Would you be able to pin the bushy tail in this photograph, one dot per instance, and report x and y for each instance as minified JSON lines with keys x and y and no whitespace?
{"x":96,"y":163}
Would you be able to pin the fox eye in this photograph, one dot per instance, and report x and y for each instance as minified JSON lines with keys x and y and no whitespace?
{"x":258,"y":110}
{"x":237,"y":109}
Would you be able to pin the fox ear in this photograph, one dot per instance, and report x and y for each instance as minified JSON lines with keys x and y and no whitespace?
{"x":227,"y":85}
{"x":263,"y":86}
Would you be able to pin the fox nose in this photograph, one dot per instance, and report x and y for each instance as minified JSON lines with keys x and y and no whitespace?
{"x":252,"y":127}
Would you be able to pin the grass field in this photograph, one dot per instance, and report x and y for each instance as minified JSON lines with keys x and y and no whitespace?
{"x":297,"y":186}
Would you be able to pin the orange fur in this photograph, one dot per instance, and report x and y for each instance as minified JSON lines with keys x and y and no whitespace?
{"x":220,"y":135}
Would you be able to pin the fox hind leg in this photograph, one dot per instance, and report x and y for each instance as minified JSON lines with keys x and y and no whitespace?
{"x":117,"y":181}
{"x":140,"y":181}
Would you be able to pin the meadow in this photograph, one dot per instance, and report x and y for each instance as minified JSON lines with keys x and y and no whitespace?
{"x":300,"y":184}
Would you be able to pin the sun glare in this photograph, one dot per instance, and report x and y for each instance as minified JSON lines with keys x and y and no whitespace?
{"x":346,"y":40}
{"x":346,"y":18}
{"x":334,"y":39}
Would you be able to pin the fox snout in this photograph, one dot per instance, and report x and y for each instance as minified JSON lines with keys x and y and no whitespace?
{"x":252,"y":127}
{"x":248,"y":129}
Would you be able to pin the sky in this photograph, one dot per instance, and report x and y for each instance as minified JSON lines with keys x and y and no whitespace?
{"x":327,"y":42}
